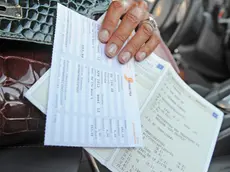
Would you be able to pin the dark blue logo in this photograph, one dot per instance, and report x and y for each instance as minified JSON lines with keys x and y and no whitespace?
{"x":160,"y":66}
{"x":215,"y":115}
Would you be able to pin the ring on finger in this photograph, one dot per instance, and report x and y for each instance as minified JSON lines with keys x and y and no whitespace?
{"x":152,"y":22}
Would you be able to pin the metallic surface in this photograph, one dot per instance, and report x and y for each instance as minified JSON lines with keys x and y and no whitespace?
{"x":9,"y":10}
{"x":151,"y":21}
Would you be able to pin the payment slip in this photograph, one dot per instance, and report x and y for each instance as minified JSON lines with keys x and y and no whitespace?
{"x":92,"y":99}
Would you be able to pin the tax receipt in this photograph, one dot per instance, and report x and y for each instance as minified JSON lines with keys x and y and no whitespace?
{"x":179,"y":127}
{"x":92,"y":99}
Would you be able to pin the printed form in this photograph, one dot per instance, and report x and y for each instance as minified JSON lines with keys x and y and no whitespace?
{"x":92,"y":99}
{"x":179,"y":127}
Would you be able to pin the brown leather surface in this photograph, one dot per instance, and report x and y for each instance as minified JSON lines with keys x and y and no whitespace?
{"x":21,"y":65}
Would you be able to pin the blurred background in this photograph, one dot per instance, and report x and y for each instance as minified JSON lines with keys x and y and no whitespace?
{"x":197,"y":33}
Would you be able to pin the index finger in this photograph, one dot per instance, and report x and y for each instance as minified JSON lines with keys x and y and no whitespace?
{"x":111,"y":20}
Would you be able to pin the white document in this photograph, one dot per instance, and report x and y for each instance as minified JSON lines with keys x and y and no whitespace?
{"x":179,"y":127}
{"x":92,"y":99}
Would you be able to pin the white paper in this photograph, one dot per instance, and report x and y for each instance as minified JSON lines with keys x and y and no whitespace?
{"x":92,"y":99}
{"x":179,"y":127}
{"x":163,"y":101}
{"x":172,"y":115}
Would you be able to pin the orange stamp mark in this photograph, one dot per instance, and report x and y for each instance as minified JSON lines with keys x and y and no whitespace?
{"x":130,"y":80}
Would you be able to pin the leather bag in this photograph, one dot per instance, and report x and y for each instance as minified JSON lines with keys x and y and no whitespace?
{"x":33,"y":20}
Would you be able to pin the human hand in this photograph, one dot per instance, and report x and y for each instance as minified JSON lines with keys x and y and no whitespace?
{"x":135,"y":14}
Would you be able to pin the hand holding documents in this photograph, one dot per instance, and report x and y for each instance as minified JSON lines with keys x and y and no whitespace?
{"x":179,"y":127}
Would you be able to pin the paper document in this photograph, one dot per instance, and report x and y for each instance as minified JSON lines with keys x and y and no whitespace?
{"x":92,"y":99}
{"x":179,"y":127}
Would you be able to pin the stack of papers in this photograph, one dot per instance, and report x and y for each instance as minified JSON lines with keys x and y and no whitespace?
{"x":90,"y":101}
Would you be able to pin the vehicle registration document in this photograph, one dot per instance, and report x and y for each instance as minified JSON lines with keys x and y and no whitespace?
{"x":92,"y":99}
{"x":179,"y":127}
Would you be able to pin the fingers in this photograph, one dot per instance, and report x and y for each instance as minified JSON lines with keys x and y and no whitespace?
{"x":115,"y":11}
{"x":129,"y":22}
{"x":148,"y":47}
{"x":141,"y":37}
{"x":115,"y":34}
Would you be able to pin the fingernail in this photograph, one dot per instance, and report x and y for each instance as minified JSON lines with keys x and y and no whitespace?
{"x":143,"y":4}
{"x":112,"y":49}
{"x":141,"y":56}
{"x":125,"y":57}
{"x":104,"y":35}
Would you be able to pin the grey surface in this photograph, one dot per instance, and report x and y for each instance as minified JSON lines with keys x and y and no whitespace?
{"x":221,"y":164}
{"x":222,"y":147}
{"x":49,"y":159}
{"x":226,"y":122}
